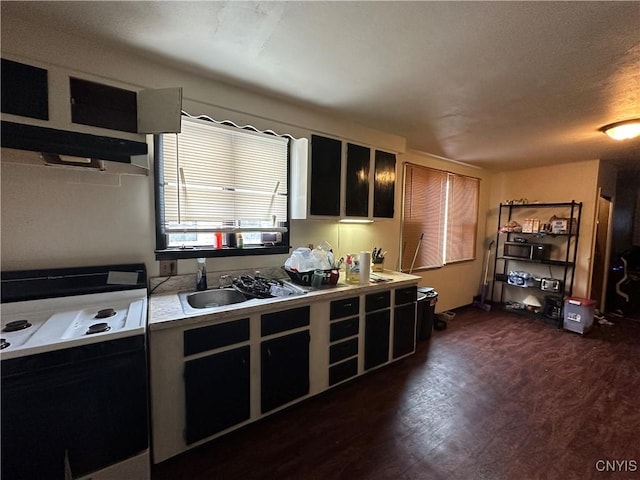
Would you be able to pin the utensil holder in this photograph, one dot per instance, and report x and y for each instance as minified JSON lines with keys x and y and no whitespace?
{"x":378,"y":266}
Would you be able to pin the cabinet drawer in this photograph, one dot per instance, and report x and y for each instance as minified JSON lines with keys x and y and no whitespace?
{"x":343,"y":350}
{"x":286,"y":320}
{"x":342,"y":371}
{"x":215,"y":336}
{"x":377,"y":301}
{"x":347,"y":307}
{"x":406,"y":295}
{"x":343,"y":329}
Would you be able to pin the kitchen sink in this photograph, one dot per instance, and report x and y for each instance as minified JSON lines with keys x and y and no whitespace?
{"x":216,"y":298}
{"x":211,"y":298}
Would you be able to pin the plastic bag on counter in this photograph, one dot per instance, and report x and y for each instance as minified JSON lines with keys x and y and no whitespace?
{"x":321,"y":259}
{"x":300,"y":260}
{"x":304,"y":259}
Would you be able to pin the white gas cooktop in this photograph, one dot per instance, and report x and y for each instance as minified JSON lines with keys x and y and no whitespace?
{"x":37,"y":326}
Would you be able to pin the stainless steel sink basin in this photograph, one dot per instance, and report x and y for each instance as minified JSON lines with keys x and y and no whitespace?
{"x":193,"y":302}
{"x":212,"y":298}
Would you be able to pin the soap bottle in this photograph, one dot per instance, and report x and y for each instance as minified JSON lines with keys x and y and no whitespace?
{"x":347,"y":269}
{"x":239,"y":241}
{"x":352,"y":273}
{"x":201,"y":274}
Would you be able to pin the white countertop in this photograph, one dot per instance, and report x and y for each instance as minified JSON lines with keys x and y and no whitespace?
{"x":165,"y":310}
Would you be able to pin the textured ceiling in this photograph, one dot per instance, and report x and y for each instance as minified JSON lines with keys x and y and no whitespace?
{"x":494,"y":84}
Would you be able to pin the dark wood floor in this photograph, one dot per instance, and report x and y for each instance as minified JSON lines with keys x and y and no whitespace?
{"x":495,"y":396}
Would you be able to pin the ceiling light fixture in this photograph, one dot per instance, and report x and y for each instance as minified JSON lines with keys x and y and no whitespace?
{"x":623,"y":130}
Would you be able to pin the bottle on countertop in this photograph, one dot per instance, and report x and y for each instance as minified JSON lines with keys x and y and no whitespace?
{"x":352,"y":269}
{"x":218,"y":240}
{"x":201,"y":274}
{"x":230,"y":240}
{"x":239,"y":241}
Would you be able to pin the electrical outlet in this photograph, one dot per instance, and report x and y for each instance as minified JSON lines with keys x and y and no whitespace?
{"x":168,"y":268}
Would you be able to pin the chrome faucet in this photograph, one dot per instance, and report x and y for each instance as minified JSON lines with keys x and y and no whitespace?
{"x":223,"y":279}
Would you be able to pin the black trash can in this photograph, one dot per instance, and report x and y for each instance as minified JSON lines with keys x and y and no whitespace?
{"x":427,"y":298}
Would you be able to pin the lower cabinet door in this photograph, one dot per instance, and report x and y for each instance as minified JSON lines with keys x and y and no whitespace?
{"x":217,"y":394}
{"x":404,"y":330}
{"x":376,"y":338}
{"x":284,"y":369}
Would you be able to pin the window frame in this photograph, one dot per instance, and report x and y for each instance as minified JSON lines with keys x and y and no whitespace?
{"x":442,"y":206}
{"x":164,"y":252}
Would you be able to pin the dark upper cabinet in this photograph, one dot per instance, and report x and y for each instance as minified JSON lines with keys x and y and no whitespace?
{"x":326,"y":161}
{"x":103,"y":106}
{"x":384,"y":180}
{"x":357,"y":181}
{"x":24,"y":90}
{"x":326,"y":174}
{"x":145,"y":111}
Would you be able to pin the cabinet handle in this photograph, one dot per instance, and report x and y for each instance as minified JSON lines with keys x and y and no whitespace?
{"x":269,"y":352}
{"x":348,"y":305}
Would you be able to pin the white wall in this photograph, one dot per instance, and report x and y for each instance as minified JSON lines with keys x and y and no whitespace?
{"x":58,"y":217}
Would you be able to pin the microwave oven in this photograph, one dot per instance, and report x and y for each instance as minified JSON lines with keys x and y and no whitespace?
{"x":527,"y":251}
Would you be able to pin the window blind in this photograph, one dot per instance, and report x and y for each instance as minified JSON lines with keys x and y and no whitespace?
{"x":443,"y":208}
{"x":218,"y":175}
{"x":424,"y":207}
{"x":462,"y":218}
